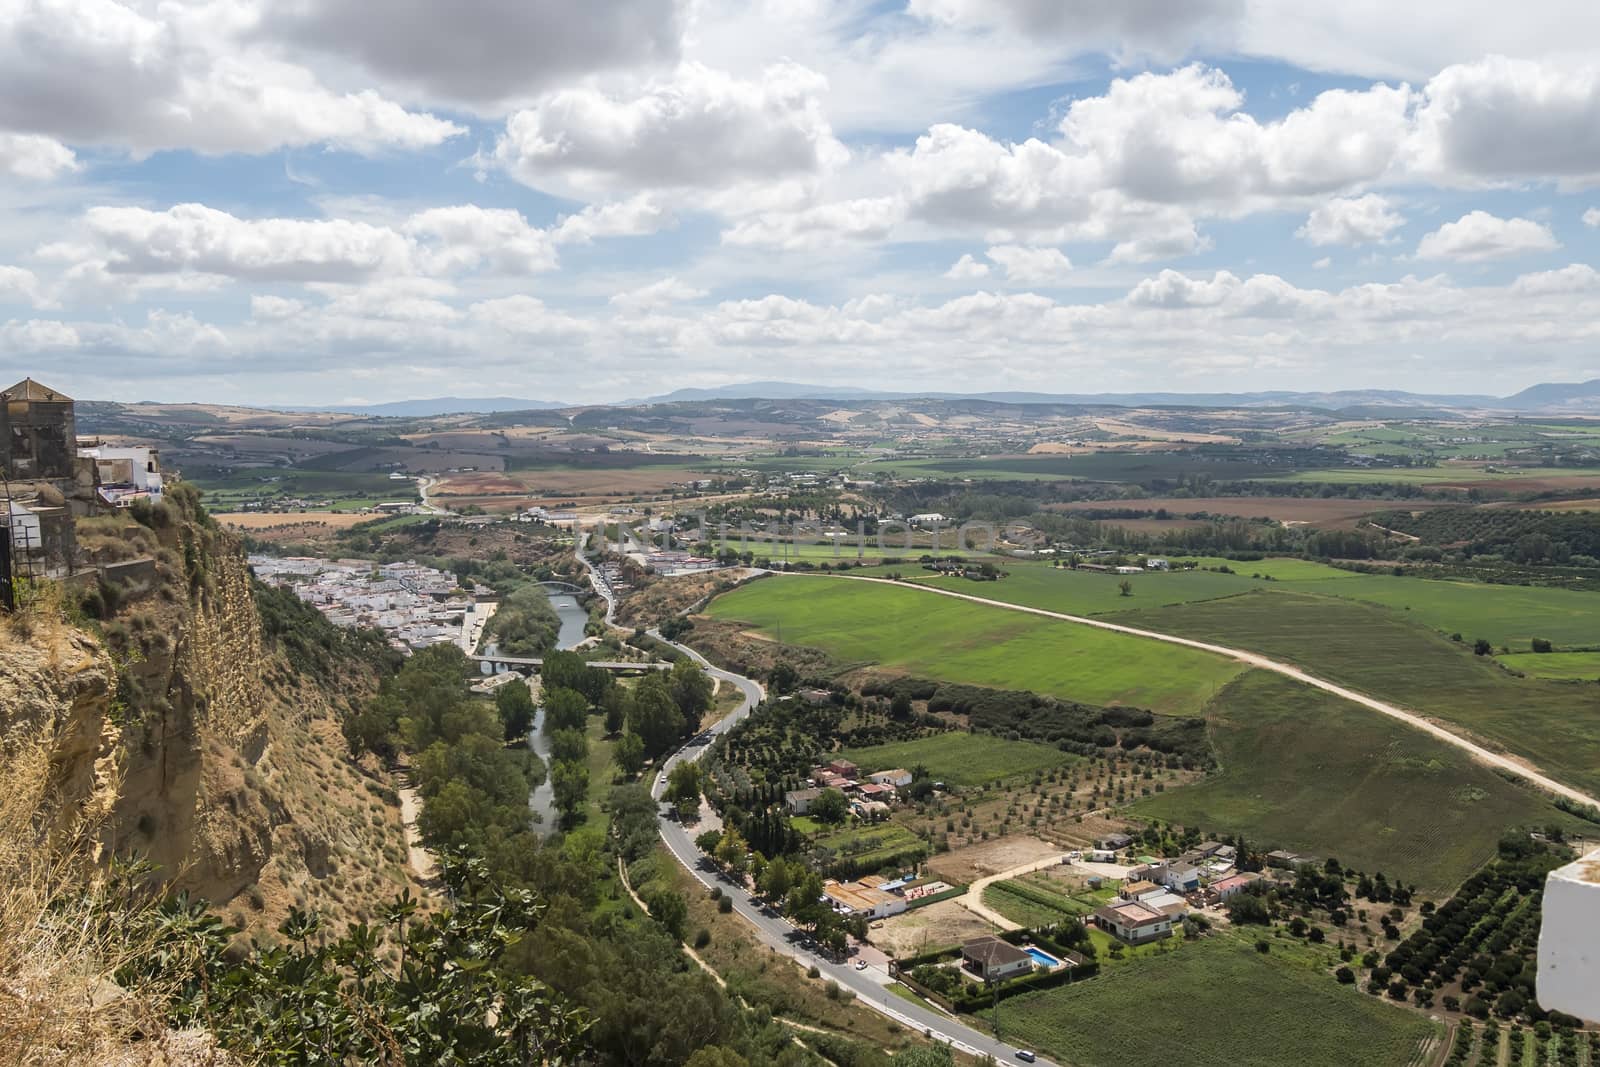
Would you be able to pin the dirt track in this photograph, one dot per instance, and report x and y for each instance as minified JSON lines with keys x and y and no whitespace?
{"x":1483,"y":755}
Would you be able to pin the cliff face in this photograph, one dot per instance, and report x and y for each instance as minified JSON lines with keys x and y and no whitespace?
{"x":188,"y":740}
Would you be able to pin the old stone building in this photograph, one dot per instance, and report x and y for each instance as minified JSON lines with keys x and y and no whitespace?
{"x":44,"y":479}
{"x":38,"y":434}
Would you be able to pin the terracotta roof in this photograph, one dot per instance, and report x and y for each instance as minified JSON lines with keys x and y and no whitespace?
{"x":28,"y":389}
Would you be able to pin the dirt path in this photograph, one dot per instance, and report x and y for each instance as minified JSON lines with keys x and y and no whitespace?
{"x":1483,"y":755}
{"x":420,"y":859}
{"x":972,"y":899}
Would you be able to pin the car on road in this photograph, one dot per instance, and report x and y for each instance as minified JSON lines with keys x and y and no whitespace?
{"x":1025,"y":1056}
{"x":861,"y":965}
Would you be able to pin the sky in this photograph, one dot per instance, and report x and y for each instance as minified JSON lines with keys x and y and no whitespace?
{"x":339,"y":202}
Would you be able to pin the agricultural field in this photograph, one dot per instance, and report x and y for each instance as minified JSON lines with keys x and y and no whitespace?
{"x":232,"y":490}
{"x":1340,"y":511}
{"x":935,"y":637}
{"x":1221,"y":1003}
{"x":1558,"y":666}
{"x":1386,"y":653}
{"x":962,"y":759}
{"x":1129,"y":466}
{"x":1507,"y":615}
{"x":1510,"y":616}
{"x":1512,"y":479}
{"x":870,"y":847}
{"x":1304,"y":770}
{"x":1040,"y":900}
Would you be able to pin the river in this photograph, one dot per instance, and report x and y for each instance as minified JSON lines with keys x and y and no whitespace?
{"x":573,"y":620}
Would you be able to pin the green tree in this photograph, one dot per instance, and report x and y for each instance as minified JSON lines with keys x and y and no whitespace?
{"x":683,"y":784}
{"x":691,"y":692}
{"x":564,"y":709}
{"x":615,"y":704}
{"x":731,"y":851}
{"x":515,"y":704}
{"x":628,"y":755}
{"x":524,"y":624}
{"x":668,"y":909}
{"x":1126,"y":587}
{"x":900,"y":706}
{"x":570,"y":784}
{"x":783,"y":678}
{"x":655,"y":717}
{"x":569,"y":746}
{"x":830,"y":807}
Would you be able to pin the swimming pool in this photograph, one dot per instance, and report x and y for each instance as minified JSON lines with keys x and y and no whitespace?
{"x":1043,"y":958}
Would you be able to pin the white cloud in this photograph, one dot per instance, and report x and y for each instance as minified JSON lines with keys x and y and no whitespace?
{"x":34,"y":157}
{"x":19,"y":285}
{"x":1183,"y":239}
{"x":1573,"y":278}
{"x":490,"y":51}
{"x":666,"y":292}
{"x":196,"y":238}
{"x":966,"y":269}
{"x":701,"y":128}
{"x":864,"y":219}
{"x":527,"y":317}
{"x":1032,"y":266}
{"x":1159,"y":29}
{"x":182,"y":76}
{"x":1478,"y":236}
{"x":1352,"y":221}
{"x":268,"y":308}
{"x":1591,"y":217}
{"x":1501,"y":120}
{"x":636,"y":216}
{"x":1183,"y":138}
{"x":466,"y":236}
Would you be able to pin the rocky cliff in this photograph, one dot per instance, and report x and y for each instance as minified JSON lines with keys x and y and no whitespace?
{"x":181,"y":735}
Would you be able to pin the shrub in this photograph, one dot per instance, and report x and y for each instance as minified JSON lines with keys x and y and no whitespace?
{"x":725,"y":905}
{"x":702,"y":937}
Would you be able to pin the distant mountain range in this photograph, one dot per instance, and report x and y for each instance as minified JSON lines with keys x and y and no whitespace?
{"x":1580,"y":397}
{"x":1550,"y":397}
{"x":442,"y":405}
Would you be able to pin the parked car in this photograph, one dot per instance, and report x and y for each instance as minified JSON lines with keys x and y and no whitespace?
{"x":861,"y":965}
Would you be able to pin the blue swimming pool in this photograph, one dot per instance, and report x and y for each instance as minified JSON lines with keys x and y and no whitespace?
{"x":1043,"y":958}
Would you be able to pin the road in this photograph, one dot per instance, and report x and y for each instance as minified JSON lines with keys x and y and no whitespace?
{"x":1517,"y":766}
{"x":870,"y":987}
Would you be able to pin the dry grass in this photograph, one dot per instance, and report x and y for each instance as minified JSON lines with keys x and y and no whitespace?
{"x":63,"y":923}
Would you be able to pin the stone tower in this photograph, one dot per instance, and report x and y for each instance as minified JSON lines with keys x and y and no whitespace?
{"x":38,"y":434}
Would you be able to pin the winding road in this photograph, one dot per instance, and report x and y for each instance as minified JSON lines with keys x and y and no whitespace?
{"x":871,"y":987}
{"x":1521,"y":768}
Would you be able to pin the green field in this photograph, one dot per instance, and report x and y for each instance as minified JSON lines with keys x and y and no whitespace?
{"x":1475,"y":476}
{"x":1034,"y":900}
{"x":1561,"y":666}
{"x":869,"y":844}
{"x":231,"y":490}
{"x":1390,"y":655}
{"x":961,"y":759}
{"x":1508,"y":615}
{"x":1305,"y":770}
{"x":938,"y":637}
{"x":1214,"y":1002}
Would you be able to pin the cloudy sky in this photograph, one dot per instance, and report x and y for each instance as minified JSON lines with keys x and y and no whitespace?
{"x":339,"y":201}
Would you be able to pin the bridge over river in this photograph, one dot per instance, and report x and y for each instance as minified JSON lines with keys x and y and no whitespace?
{"x":518,"y":663}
